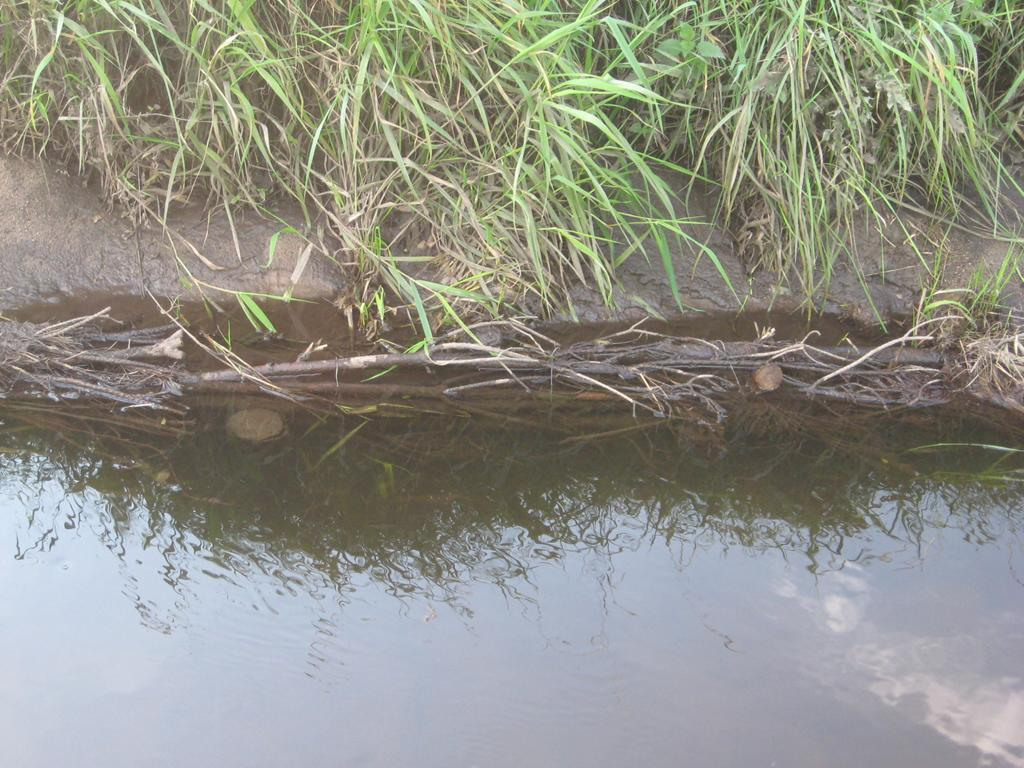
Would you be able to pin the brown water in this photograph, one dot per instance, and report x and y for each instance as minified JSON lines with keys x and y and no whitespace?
{"x":509,"y":602}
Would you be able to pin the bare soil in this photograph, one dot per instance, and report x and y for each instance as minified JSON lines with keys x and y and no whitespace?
{"x":878,"y":278}
{"x":58,"y":240}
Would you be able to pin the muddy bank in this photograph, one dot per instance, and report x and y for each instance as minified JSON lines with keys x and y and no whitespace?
{"x":60,"y":243}
{"x":102,"y":310}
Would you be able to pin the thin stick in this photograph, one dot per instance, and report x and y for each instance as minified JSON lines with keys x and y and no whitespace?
{"x":869,"y":354}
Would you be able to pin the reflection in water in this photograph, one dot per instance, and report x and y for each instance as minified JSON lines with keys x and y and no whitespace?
{"x":427,"y":528}
{"x":941,"y":680}
{"x":627,"y":570}
{"x":841,"y":601}
{"x":961,"y":704}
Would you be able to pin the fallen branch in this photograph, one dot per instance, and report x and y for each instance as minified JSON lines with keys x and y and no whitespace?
{"x":659,"y":374}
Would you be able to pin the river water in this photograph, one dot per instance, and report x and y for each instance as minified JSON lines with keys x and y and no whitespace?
{"x":508,"y":603}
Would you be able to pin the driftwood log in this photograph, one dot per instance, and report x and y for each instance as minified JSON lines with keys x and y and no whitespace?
{"x":650,"y":373}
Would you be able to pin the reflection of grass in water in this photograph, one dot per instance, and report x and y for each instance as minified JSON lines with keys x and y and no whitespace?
{"x":495,"y":506}
{"x":1003,"y":469}
{"x":510,"y":144}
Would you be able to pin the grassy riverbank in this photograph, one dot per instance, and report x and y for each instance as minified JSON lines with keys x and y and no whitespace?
{"x":479,"y":152}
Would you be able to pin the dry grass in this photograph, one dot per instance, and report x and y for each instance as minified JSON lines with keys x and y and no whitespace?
{"x":995,"y":360}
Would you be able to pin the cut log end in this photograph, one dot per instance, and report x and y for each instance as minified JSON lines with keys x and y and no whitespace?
{"x":768,"y":378}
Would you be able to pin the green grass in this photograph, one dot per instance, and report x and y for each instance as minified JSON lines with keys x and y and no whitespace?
{"x":979,"y":303}
{"x":524,"y":142}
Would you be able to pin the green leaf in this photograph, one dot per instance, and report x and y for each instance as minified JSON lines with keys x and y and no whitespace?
{"x":674,"y":48}
{"x":272,"y":247}
{"x":255,"y":314}
{"x":708,"y":50}
{"x":338,"y":445}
